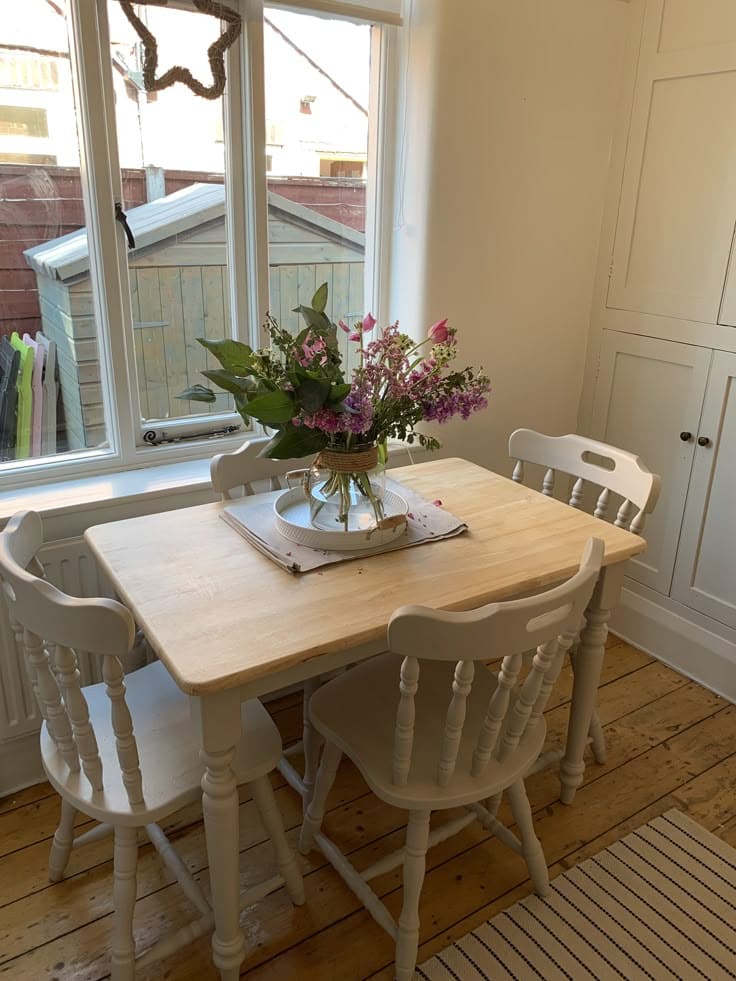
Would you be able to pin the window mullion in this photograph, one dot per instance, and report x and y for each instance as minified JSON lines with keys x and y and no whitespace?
{"x":237,"y":125}
{"x":253,"y":148}
{"x":379,"y":197}
{"x":90,"y":47}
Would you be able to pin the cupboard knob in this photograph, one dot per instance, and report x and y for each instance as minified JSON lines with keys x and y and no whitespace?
{"x":686,"y":437}
{"x":703,"y":441}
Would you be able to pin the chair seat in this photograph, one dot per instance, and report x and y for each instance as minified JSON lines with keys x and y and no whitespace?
{"x":167,"y":745}
{"x":357,"y":712}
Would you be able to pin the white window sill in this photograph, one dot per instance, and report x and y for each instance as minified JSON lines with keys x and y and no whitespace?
{"x":186,"y":477}
{"x":68,"y":496}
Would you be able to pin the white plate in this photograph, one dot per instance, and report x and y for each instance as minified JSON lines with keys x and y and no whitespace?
{"x":291,"y":514}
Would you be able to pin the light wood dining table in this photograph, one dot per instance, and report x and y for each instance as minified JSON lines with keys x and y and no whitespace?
{"x":229,"y":624}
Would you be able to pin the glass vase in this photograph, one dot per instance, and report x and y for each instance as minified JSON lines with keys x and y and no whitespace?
{"x":346,"y":489}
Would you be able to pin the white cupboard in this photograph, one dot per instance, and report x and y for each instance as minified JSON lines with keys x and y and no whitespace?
{"x":705,"y":573}
{"x":649,"y":396}
{"x":678,"y":194}
{"x":674,"y":405}
{"x":662,"y":356}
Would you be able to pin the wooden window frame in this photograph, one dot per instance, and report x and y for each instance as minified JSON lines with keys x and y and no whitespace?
{"x":246,"y":222}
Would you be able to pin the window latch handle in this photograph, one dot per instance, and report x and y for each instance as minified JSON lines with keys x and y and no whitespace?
{"x":123,"y":219}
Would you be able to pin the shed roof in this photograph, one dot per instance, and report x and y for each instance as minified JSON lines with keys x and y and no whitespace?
{"x":67,"y":257}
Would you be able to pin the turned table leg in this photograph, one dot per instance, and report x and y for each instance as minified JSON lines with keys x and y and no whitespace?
{"x":219,"y":719}
{"x":588,"y":664}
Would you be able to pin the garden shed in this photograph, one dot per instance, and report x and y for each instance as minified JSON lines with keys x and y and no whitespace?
{"x":178,"y":281}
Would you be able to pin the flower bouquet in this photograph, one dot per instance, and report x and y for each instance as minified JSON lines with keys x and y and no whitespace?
{"x":298,"y":388}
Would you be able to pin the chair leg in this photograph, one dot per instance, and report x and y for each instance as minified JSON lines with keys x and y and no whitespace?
{"x":312,"y":742}
{"x":124,"y":890}
{"x":315,"y":813}
{"x":61,"y":848}
{"x":530,"y":846}
{"x":274,"y":825}
{"x":415,"y":862}
{"x":598,"y":740}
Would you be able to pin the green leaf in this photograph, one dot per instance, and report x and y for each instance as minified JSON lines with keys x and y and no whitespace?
{"x":294,"y":441}
{"x":197,"y":393}
{"x":272,"y":409}
{"x":231,"y":383}
{"x":319,"y":300}
{"x":337,"y":394}
{"x":313,"y":318}
{"x":234,"y":356}
{"x":311,"y":394}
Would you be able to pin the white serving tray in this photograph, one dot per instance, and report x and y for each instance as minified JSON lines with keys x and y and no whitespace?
{"x":291,"y":515}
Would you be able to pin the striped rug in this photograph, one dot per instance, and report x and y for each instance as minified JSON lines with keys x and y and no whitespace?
{"x":660,"y":903}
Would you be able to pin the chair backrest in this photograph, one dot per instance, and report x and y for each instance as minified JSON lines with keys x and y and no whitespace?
{"x":588,"y":460}
{"x":50,"y":627}
{"x":244,"y":467}
{"x":548,"y":621}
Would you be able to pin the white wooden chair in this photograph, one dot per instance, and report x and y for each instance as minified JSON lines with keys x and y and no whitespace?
{"x":608,"y":470}
{"x":244,"y":472}
{"x":123,"y":751}
{"x":493,"y":731}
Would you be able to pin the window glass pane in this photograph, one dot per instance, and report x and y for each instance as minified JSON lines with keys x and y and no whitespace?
{"x":50,"y":378}
{"x":317,"y":84}
{"x":172,"y":154}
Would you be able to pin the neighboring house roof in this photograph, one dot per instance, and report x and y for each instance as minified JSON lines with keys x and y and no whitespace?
{"x":153,"y":223}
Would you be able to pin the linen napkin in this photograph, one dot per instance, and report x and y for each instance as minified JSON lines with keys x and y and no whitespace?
{"x":253,"y":518}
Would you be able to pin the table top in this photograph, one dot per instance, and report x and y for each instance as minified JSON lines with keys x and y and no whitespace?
{"x":219,"y":614}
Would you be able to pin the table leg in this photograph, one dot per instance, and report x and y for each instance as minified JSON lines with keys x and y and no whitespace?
{"x":312,"y":742}
{"x":220,"y":731}
{"x":588,"y":664}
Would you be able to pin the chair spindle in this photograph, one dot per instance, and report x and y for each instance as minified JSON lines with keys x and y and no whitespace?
{"x":461,"y":685}
{"x":518,"y":474}
{"x":122,"y":725}
{"x":576,"y":496}
{"x":548,"y":484}
{"x":526,"y":699}
{"x":49,"y":700}
{"x":622,"y":515}
{"x":507,"y":678}
{"x":404,"y":733}
{"x":601,"y":505}
{"x":78,"y":712}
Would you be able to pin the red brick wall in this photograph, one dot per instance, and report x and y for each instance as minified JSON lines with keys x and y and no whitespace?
{"x":39,"y":204}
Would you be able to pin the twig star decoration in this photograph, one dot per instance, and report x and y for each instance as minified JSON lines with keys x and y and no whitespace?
{"x":215,"y":52}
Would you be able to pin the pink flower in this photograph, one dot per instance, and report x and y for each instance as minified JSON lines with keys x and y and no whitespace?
{"x":344,"y":326}
{"x":369,"y":322}
{"x":355,"y":336}
{"x":439,"y":332}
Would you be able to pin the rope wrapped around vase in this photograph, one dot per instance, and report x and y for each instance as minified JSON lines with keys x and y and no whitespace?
{"x":357,"y":461}
{"x":215,"y":52}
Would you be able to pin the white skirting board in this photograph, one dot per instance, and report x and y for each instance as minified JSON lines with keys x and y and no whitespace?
{"x":697,"y":647}
{"x":20,"y":763}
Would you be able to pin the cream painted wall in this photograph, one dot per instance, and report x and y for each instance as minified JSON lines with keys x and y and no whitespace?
{"x":510,"y":116}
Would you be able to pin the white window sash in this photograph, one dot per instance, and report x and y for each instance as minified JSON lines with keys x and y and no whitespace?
{"x":373,"y":11}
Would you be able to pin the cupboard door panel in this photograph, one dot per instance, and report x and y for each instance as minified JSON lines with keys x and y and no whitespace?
{"x":678,"y":196}
{"x":648,"y":392}
{"x":687,"y":26}
{"x":705,"y":574}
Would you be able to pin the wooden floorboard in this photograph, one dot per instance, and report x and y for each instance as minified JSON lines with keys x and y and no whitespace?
{"x":671,"y":744}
